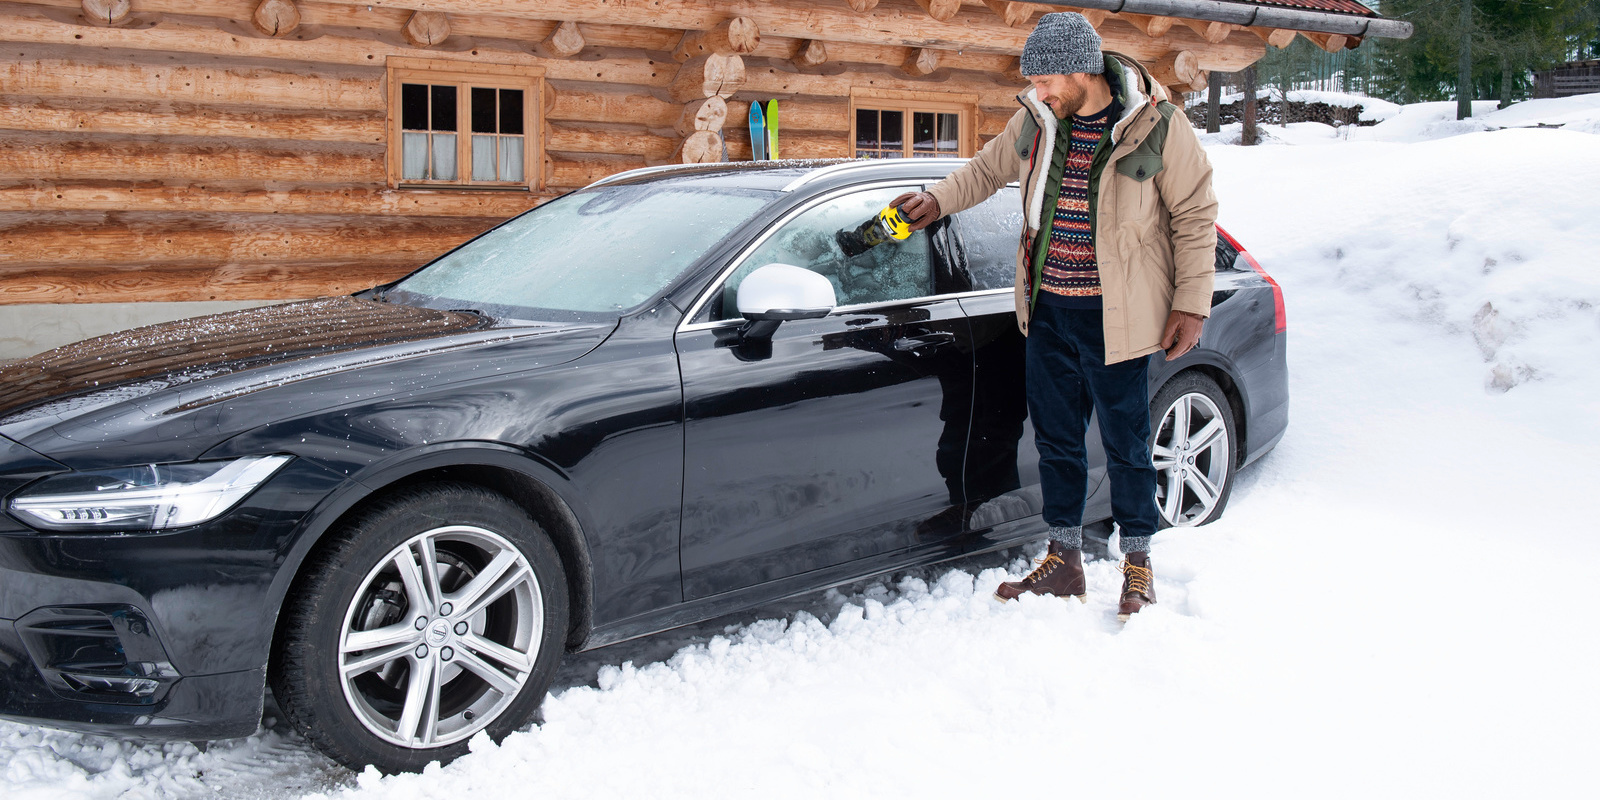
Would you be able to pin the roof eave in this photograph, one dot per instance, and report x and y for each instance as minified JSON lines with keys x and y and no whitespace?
{"x":1254,"y":15}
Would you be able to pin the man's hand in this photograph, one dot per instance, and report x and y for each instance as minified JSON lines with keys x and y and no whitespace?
{"x":919,"y":207}
{"x":1182,"y":333}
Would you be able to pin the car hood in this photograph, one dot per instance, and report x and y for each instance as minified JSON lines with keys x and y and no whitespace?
{"x":147,"y":378}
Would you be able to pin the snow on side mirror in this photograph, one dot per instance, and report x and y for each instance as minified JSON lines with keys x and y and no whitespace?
{"x":778,"y":292}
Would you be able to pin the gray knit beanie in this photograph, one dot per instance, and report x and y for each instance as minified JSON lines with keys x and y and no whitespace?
{"x":1061,"y":44}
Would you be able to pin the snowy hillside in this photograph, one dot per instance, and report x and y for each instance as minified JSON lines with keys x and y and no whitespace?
{"x":1398,"y":602}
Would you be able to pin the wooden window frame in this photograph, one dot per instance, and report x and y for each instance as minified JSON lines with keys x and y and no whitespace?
{"x":466,"y":75}
{"x":965,"y":106}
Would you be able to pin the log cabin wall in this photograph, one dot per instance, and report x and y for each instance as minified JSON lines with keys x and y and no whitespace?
{"x":176,"y":151}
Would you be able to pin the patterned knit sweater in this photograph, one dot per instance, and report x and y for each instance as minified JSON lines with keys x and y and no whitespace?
{"x":1071,"y":276}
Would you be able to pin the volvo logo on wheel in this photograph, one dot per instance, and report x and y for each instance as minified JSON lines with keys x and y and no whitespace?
{"x":438,"y":632}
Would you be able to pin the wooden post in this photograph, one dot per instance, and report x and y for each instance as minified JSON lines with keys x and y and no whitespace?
{"x":1247,"y":133}
{"x":1012,"y":14}
{"x":707,"y":76}
{"x":563,"y":42}
{"x":276,"y":17}
{"x":1214,"y":103}
{"x":106,"y":12}
{"x":427,"y":28}
{"x":941,"y":10}
{"x":812,"y":52}
{"x":738,"y":35}
{"x":922,"y":61}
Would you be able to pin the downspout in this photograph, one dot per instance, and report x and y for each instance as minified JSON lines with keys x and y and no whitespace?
{"x":1253,"y":15}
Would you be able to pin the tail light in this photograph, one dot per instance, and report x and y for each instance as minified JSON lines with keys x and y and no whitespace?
{"x":1279,"y":315}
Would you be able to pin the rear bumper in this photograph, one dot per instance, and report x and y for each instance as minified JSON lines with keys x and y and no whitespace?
{"x":181,"y":707}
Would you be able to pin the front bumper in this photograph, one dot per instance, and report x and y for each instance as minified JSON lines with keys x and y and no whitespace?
{"x":162,"y":635}
{"x":181,"y":707}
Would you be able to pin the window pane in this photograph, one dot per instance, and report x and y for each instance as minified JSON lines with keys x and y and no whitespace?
{"x":511,"y":158}
{"x":922,"y":130}
{"x":414,"y":156}
{"x":414,"y":106}
{"x":511,"y":111}
{"x":949,"y":133}
{"x":892,"y":130}
{"x":867,"y":128}
{"x":602,"y":250}
{"x":444,"y":157}
{"x":894,"y":270}
{"x":482,"y":157}
{"x":483,"y":110}
{"x":444,"y":108}
{"x":989,"y":232}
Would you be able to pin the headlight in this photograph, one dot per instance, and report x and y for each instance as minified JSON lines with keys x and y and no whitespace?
{"x":152,"y":497}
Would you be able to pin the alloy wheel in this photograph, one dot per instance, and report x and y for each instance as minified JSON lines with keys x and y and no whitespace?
{"x":1191,"y":452}
{"x":441,"y":637}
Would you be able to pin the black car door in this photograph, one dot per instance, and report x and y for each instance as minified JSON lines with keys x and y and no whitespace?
{"x":844,"y":437}
{"x":1002,"y":470}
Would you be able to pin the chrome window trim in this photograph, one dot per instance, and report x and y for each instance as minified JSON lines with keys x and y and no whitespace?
{"x":859,"y":308}
{"x":734,"y":263}
{"x":863,"y":163}
{"x":641,"y":171}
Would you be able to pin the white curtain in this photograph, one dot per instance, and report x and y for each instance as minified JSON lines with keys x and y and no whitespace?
{"x":414,"y":154}
{"x":444,"y":157}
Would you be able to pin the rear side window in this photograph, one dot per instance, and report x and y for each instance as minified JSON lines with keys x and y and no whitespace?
{"x":990,"y":232}
{"x":1226,"y":254}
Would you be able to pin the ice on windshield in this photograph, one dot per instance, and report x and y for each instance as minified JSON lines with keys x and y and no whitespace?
{"x":601,"y":251}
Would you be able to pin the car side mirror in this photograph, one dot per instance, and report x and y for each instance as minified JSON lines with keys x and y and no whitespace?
{"x":779,"y":292}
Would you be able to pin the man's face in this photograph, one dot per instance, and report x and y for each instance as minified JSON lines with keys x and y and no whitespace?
{"x":1064,"y":93}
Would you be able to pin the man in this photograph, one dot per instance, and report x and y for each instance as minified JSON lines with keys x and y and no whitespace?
{"x":1116,"y":263}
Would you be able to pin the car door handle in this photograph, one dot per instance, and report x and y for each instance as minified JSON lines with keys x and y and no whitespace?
{"x":913,"y":343}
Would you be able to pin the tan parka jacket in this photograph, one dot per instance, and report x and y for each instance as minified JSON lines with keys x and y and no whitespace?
{"x":1155,"y":216}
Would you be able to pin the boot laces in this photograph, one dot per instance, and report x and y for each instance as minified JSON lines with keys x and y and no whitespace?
{"x":1046,"y":566}
{"x":1136,"y":579}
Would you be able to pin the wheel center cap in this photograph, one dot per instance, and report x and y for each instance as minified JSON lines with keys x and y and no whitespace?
{"x":438,"y":632}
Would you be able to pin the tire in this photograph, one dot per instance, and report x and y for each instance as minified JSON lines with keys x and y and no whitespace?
{"x":1195,"y":459}
{"x":440,"y":660}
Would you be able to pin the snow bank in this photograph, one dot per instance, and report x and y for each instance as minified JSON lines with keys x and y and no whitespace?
{"x":1423,"y":121}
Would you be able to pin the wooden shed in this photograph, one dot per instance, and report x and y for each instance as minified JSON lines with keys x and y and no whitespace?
{"x":182,"y":151}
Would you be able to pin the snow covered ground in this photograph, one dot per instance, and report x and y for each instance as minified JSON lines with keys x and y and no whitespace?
{"x":1398,"y":602}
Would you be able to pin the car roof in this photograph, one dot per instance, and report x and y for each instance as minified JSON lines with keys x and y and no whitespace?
{"x":787,"y":175}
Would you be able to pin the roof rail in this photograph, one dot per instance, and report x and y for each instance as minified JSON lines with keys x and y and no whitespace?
{"x":849,"y":166}
{"x":640,"y":172}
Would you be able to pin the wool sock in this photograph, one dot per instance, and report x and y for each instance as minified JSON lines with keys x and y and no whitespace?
{"x":1070,"y":536}
{"x":1135,"y":544}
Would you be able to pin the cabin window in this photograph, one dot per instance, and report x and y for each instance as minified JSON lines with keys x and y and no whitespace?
{"x":886,"y":128}
{"x":460,"y":124}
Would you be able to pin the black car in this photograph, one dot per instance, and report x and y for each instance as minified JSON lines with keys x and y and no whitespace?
{"x":644,"y":404}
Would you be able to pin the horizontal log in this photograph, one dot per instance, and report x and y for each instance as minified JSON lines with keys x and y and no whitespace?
{"x":46,"y":157}
{"x":739,"y":35}
{"x":575,"y":170}
{"x":278,"y":281}
{"x":708,"y":76}
{"x":709,"y":114}
{"x":187,"y":119}
{"x":189,"y":36}
{"x":95,"y":75}
{"x":598,"y":102}
{"x":993,"y":121}
{"x":606,"y":138}
{"x":791,"y":144}
{"x":33,"y":241}
{"x":255,"y":197}
{"x":1277,"y":37}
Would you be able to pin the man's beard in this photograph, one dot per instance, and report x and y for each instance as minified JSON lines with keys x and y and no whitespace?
{"x":1071,"y":103}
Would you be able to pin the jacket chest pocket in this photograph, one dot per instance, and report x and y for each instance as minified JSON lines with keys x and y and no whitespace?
{"x":1140,"y":166}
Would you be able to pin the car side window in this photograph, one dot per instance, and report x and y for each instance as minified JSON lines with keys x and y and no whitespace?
{"x":989,"y":232}
{"x":894,"y":270}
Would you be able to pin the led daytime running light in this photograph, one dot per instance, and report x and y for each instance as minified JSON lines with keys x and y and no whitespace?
{"x":170,"y":501}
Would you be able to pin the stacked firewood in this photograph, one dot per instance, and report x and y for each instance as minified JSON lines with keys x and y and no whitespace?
{"x":1271,"y":111}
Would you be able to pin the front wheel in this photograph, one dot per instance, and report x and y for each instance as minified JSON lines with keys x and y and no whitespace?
{"x":1193,"y":449}
{"x":436,"y":613}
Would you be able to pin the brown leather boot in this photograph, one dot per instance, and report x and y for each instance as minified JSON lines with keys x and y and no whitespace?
{"x":1060,"y":574}
{"x":1138,"y":585}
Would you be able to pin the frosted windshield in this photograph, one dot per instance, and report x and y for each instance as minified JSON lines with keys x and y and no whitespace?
{"x":602,"y":251}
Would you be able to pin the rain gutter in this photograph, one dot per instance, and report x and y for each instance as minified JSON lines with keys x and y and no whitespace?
{"x":1253,"y":15}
